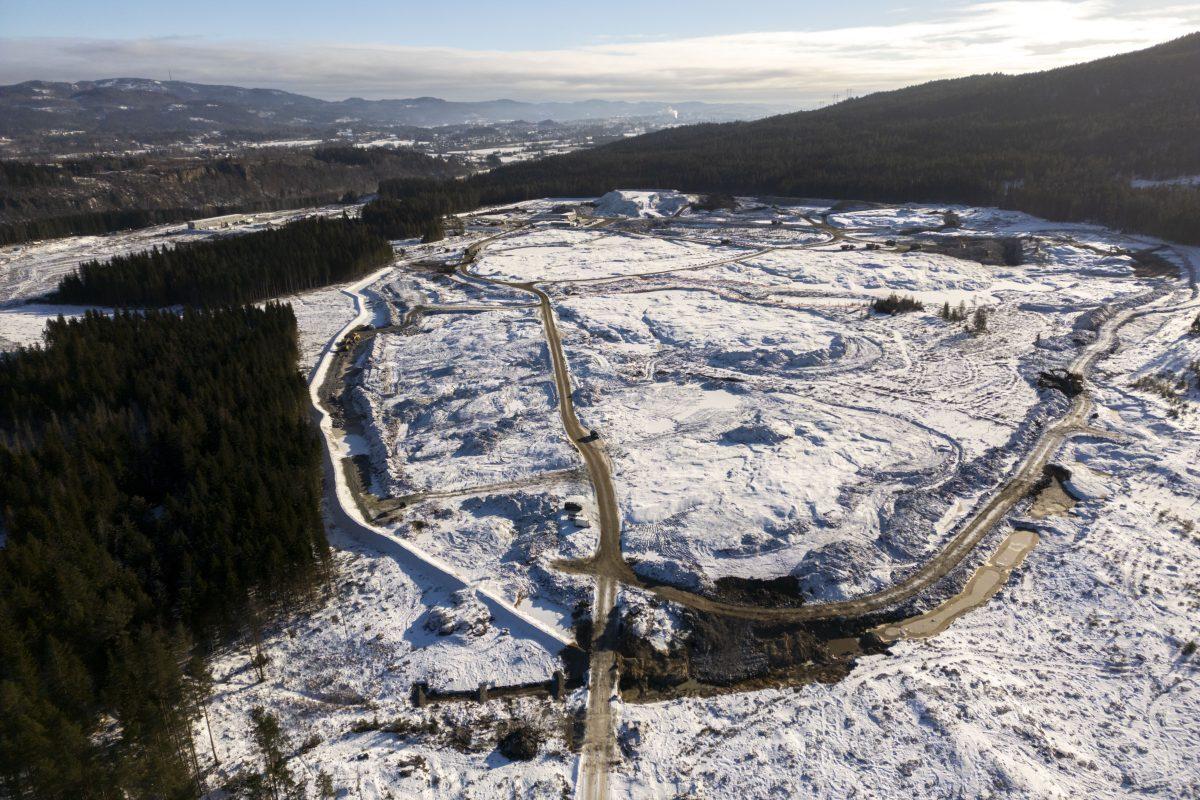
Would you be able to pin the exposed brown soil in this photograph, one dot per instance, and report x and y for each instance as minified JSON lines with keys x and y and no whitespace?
{"x":1149,"y":264}
{"x":774,"y":592}
{"x":720,"y":654}
{"x":995,"y":251}
{"x":1052,"y":498}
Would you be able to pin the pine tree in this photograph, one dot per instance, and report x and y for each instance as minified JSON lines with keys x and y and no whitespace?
{"x":272,"y":747}
{"x":979,"y":322}
{"x":159,"y":469}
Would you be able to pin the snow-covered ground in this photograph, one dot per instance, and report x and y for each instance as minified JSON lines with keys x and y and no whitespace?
{"x":33,"y":270}
{"x":1075,"y":681}
{"x":641,"y":204}
{"x":760,"y":422}
{"x":568,"y":254}
{"x":1182,"y":180}
{"x":339,"y":678}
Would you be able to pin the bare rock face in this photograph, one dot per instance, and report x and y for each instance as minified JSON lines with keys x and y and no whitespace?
{"x":467,"y":615}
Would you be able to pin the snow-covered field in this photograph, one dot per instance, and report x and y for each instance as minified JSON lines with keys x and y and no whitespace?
{"x":567,"y":254}
{"x":760,"y":421}
{"x":1075,"y":681}
{"x":31,"y":271}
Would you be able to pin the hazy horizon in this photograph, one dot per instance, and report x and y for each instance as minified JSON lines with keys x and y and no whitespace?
{"x":784,"y":54}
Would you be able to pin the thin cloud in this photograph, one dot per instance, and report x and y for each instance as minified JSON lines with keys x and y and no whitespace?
{"x":792,"y":67}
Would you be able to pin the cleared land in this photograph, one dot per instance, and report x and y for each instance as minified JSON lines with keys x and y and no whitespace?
{"x":575,"y":420}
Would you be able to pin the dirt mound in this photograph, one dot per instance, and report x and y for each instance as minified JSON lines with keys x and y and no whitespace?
{"x":721,"y":652}
{"x":521,"y":743}
{"x":781,"y":592}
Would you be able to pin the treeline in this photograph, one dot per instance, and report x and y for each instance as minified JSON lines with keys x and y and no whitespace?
{"x":1064,"y":192}
{"x":24,"y":174}
{"x":1054,"y":144}
{"x":161,"y":486}
{"x":403,"y":157}
{"x":409,"y":208}
{"x":98,"y":223}
{"x":302,"y":255}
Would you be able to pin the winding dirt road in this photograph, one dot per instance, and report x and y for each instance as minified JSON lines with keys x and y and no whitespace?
{"x":607,"y":564}
{"x":610,"y":568}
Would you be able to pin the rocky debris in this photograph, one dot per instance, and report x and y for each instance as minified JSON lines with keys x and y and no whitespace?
{"x":467,"y":614}
{"x":996,"y":251}
{"x":521,"y":743}
{"x":629,"y":738}
{"x":722,"y":652}
{"x":756,"y":431}
{"x":1069,"y":383}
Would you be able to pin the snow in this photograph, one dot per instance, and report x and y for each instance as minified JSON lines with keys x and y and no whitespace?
{"x":641,"y":204}
{"x":1182,"y":180}
{"x":460,"y":400}
{"x":1072,"y":682}
{"x":546,"y":254}
{"x":30,"y":271}
{"x":337,"y":674}
{"x":760,"y":421}
{"x":890,"y":219}
{"x":319,"y":316}
{"x":22,"y":324}
{"x":463,"y":399}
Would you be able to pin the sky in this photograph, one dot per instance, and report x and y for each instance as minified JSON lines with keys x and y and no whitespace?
{"x":786,"y":53}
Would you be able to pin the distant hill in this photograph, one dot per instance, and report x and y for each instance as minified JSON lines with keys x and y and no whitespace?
{"x":1066,"y":143}
{"x":105,"y":193}
{"x":141,"y":106}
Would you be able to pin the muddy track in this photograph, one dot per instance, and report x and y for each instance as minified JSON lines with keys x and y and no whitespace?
{"x":968,"y":537}
{"x":387,"y":504}
{"x":608,"y":564}
{"x":610,"y":568}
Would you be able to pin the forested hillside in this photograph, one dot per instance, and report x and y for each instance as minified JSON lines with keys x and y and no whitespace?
{"x":100,"y":194}
{"x":1064,"y":144}
{"x":160,"y":472}
{"x":306,"y":254}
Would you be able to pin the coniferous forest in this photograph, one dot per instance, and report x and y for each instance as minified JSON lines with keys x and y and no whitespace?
{"x":1066,"y":144}
{"x":160,"y":474}
{"x":302,"y":255}
{"x":98,"y":194}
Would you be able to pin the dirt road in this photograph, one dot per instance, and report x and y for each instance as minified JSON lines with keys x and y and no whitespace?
{"x":998,"y":505}
{"x":610,"y":568}
{"x":608,"y":563}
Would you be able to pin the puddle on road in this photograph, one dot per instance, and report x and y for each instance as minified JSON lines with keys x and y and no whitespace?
{"x":986,"y":581}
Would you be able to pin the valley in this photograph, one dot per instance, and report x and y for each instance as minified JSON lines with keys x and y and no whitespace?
{"x":585,"y":436}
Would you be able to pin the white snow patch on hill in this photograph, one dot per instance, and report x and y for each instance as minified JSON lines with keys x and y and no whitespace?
{"x":624,"y":203}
